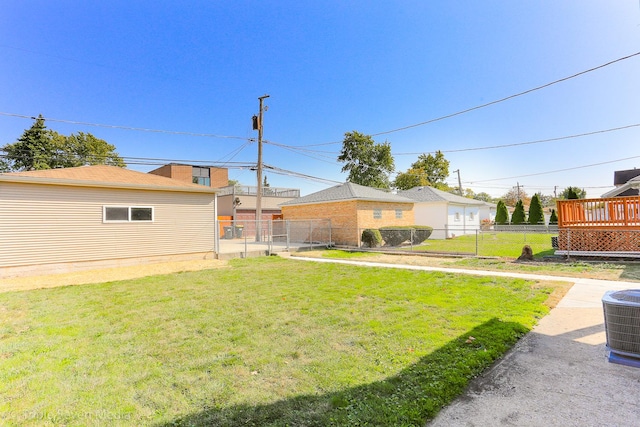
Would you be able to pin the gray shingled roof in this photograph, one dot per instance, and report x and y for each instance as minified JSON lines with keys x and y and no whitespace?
{"x":348,"y":191}
{"x":430,"y":194}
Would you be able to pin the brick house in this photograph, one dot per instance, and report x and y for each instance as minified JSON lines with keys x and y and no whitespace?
{"x":208,"y":176}
{"x":351,"y":208}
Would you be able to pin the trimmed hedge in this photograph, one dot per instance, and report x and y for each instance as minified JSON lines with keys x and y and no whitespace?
{"x":396,"y":235}
{"x":371,"y":238}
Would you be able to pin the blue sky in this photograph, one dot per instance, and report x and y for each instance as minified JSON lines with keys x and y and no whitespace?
{"x":331,"y":67}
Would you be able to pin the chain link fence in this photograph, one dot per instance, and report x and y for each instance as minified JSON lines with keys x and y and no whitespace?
{"x":501,"y":241}
{"x":268,"y":236}
{"x":498,"y":243}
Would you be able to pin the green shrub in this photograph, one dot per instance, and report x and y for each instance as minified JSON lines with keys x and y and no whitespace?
{"x":536,"y":214}
{"x":553,"y":219}
{"x":396,"y":235}
{"x":421,"y":233}
{"x":371,"y":238}
{"x":518,"y":216}
{"x":502,"y":214}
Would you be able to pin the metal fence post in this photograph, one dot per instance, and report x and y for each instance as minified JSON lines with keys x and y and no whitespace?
{"x":288,"y":232}
{"x":476,"y":242}
{"x":568,"y":244}
{"x":245,"y":245}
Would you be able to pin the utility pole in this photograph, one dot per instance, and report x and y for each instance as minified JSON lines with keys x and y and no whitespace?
{"x":518,"y":190}
{"x":459,"y":182}
{"x":257,"y":124}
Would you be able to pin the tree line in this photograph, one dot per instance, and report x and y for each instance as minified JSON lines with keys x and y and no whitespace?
{"x":41,"y":148}
{"x":372,"y":164}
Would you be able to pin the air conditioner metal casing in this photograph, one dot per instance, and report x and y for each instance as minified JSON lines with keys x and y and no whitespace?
{"x":622,"y":323}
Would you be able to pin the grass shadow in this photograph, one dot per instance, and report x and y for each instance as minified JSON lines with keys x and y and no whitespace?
{"x":410,"y":398}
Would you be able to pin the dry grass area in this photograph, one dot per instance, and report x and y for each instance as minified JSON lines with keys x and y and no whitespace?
{"x":106,"y":274}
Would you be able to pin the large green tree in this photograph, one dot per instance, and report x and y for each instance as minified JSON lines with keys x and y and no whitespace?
{"x":536,"y":214}
{"x":485,"y":197}
{"x":42,"y":148}
{"x":573,"y":193}
{"x":367,"y":162}
{"x":432,"y":170}
{"x":514,"y":194}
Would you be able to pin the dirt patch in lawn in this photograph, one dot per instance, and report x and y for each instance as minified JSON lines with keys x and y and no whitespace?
{"x":106,"y":275}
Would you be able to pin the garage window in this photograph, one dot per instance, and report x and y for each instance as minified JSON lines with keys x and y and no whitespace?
{"x":127,"y":214}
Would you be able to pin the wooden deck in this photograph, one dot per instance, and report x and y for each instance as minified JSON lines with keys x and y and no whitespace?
{"x":599,"y":227}
{"x":616,"y":213}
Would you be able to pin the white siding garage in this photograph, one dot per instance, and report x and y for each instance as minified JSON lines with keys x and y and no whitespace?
{"x":449,"y":215}
{"x":100,"y":216}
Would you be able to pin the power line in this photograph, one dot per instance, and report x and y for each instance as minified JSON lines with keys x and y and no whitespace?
{"x":558,"y":170}
{"x":280,"y":171}
{"x":170,"y":132}
{"x":560,"y":138}
{"x":303,"y":148}
{"x":508,"y":97}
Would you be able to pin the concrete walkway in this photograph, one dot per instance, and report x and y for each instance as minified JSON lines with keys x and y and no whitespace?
{"x":557,"y":375}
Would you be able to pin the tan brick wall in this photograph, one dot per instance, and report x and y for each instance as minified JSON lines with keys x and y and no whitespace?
{"x":342,"y":215}
{"x":182,"y":173}
{"x":349,"y":218}
{"x":162,"y":171}
{"x":219,"y":177}
{"x":179,"y":172}
{"x":366,"y":219}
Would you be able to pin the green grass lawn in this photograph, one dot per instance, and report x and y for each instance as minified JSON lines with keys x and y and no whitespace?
{"x":265,"y":342}
{"x":500,"y":244}
{"x":619,"y":270}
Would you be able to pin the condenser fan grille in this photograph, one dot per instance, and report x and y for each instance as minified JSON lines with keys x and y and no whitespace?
{"x":622,"y":321}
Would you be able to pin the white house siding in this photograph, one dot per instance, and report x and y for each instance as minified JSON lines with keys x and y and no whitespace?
{"x":462,"y":220}
{"x":432,"y":214}
{"x":52,"y":224}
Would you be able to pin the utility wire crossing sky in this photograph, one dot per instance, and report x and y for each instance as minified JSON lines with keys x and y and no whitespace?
{"x":180,"y":83}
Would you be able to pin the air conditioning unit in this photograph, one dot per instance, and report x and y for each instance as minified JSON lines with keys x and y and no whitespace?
{"x":622,"y":326}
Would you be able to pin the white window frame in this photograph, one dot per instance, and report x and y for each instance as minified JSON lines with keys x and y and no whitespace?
{"x":471,"y":216}
{"x":377,"y":214}
{"x":398,"y":213}
{"x":456,"y":216}
{"x":129,"y":208}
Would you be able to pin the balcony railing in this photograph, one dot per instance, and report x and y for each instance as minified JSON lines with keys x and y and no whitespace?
{"x":613,"y":212}
{"x":245,"y":190}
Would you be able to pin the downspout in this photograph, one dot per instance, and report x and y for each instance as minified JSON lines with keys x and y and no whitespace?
{"x":216,"y":230}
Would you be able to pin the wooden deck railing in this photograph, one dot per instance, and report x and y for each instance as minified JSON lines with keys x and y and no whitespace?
{"x":619,"y":212}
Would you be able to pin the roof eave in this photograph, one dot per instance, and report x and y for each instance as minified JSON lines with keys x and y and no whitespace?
{"x":99,"y":184}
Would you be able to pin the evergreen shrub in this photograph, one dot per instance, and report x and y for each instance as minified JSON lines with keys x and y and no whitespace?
{"x":371,"y":238}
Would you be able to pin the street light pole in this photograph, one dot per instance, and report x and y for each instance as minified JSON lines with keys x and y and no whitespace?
{"x":259,"y":170}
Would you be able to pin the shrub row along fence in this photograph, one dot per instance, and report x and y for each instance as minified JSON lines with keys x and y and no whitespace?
{"x":500,"y":241}
{"x":472,"y":242}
